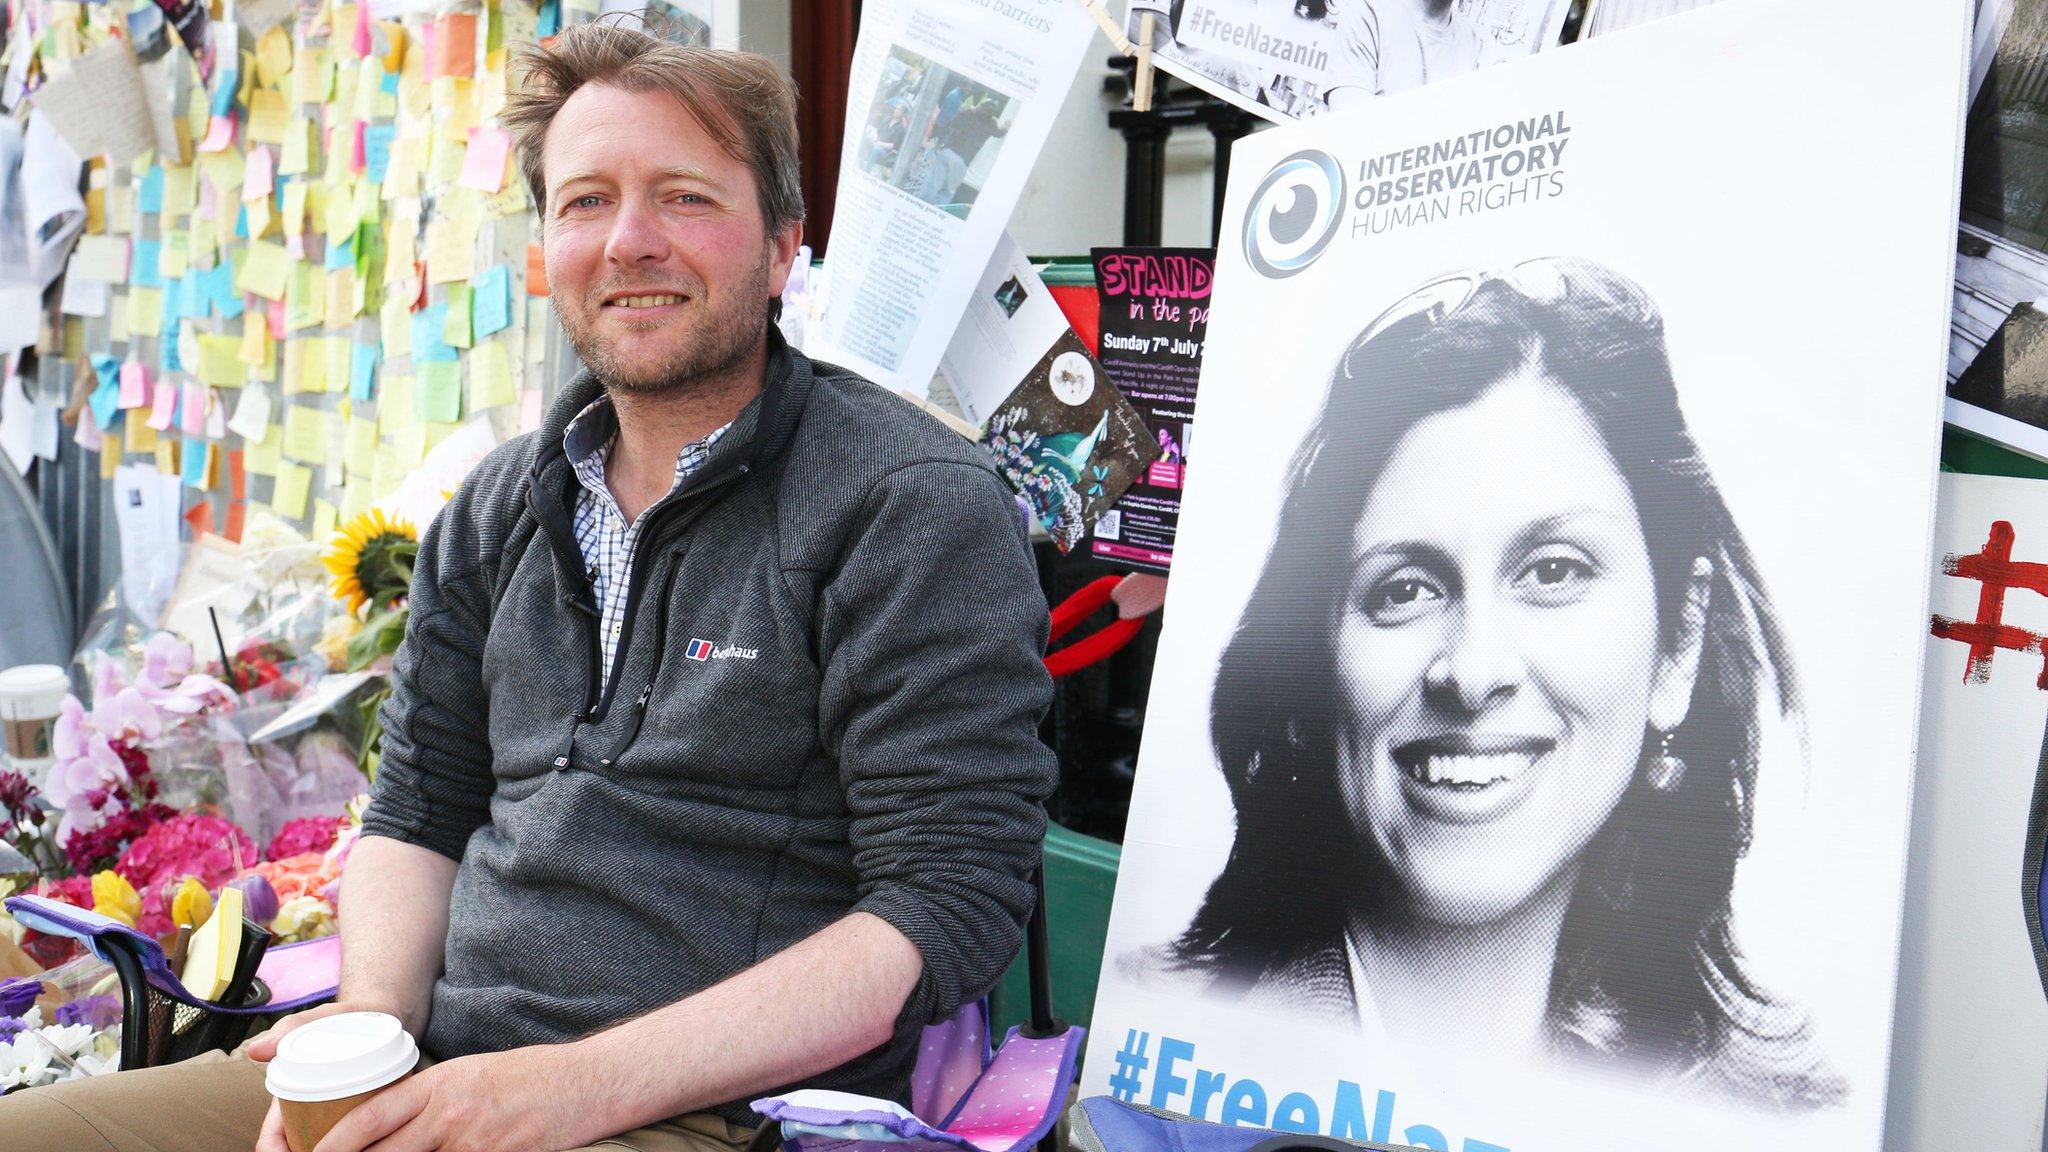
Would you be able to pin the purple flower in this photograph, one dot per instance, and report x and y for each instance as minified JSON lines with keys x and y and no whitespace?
{"x":97,"y":1012}
{"x":19,"y":994}
{"x":165,"y":660}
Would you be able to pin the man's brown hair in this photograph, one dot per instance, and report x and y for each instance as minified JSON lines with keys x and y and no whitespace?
{"x":742,"y":99}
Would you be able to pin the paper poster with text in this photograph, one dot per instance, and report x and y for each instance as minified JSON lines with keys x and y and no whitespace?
{"x":948,"y":103}
{"x":1155,"y":317}
{"x":1531,"y":742}
{"x":1971,"y":1036}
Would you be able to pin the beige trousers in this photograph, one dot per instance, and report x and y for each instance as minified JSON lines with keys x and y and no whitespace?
{"x":216,"y":1102}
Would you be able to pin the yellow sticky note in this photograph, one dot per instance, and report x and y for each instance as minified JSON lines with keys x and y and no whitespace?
{"x":394,"y":404}
{"x":402,"y":178}
{"x":273,"y":57}
{"x":141,"y":437}
{"x":117,"y":320}
{"x":266,"y":271}
{"x":270,"y":116}
{"x":312,"y":75}
{"x":324,"y":516}
{"x":338,"y":214}
{"x":181,"y":189}
{"x":260,"y":216}
{"x":360,"y":450}
{"x":175,"y":258}
{"x":387,"y":472}
{"x":410,"y":443}
{"x":254,"y":350}
{"x":296,"y":157}
{"x":288,"y":498}
{"x":490,"y":376}
{"x":260,"y":457}
{"x":219,"y":364}
{"x":451,"y":252}
{"x":341,"y":298}
{"x":357,"y":497}
{"x":305,"y":298}
{"x":293,"y":216}
{"x":305,"y":434}
{"x":339,"y":355}
{"x":146,"y":311}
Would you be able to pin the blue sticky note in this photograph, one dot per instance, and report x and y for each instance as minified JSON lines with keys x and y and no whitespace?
{"x":192,"y":461}
{"x":224,"y":84}
{"x":191,"y":298}
{"x":142,"y":267}
{"x":106,"y":399}
{"x":220,"y":288}
{"x":377,"y":148}
{"x":152,"y":195}
{"x":550,"y":18}
{"x":342,"y":255}
{"x":362,"y":373}
{"x":491,"y":303}
{"x":428,"y":341}
{"x":168,"y":344}
{"x":389,"y":83}
{"x":242,"y":223}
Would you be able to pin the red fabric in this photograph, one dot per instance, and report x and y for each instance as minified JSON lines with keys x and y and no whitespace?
{"x":1083,"y":309}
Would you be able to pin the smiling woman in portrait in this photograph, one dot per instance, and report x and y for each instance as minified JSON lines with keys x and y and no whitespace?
{"x":1491,"y":718}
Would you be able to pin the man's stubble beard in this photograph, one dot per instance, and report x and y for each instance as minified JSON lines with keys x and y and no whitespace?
{"x":722,"y":341}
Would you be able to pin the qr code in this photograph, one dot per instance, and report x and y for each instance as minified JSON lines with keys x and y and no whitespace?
{"x":1110,"y":526}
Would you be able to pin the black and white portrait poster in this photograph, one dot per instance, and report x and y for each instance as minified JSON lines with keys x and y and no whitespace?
{"x":1531,"y":743}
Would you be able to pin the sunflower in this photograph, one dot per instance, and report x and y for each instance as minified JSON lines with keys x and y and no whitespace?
{"x":371,"y":559}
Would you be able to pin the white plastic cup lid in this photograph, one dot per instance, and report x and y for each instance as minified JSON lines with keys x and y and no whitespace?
{"x":339,"y":1056}
{"x":28,"y":681}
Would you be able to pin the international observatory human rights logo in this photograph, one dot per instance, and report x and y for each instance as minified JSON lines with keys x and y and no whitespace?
{"x":1294,"y":213}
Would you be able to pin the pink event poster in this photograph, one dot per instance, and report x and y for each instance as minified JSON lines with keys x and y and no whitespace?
{"x":1155,"y":319}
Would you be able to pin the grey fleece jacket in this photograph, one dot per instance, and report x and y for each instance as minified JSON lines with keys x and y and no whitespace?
{"x":826,"y":699}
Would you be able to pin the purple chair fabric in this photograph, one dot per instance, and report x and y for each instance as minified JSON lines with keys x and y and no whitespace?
{"x":963,"y":1097}
{"x":296,"y":974}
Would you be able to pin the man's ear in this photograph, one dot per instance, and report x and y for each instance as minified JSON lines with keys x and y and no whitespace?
{"x":782,"y":248}
{"x":1679,"y":669}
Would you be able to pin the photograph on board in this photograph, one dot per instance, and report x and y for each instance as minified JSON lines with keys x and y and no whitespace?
{"x":932,"y":132}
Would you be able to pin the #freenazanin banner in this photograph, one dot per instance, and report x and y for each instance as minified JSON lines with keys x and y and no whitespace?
{"x":1530,"y":745}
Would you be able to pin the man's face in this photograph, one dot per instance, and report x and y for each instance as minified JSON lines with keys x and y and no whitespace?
{"x":657,"y":255}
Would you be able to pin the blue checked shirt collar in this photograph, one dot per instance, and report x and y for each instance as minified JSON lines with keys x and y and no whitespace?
{"x":602,"y":534}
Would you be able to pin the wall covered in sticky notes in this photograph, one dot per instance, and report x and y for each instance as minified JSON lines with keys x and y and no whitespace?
{"x":323,"y":267}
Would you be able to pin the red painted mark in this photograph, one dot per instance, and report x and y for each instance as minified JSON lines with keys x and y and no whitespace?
{"x":1995,"y":568}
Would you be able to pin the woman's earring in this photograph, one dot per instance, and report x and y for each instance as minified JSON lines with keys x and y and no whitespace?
{"x":1666,"y":771}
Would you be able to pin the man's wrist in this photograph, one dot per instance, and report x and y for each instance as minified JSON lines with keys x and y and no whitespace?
{"x":411,"y":1013}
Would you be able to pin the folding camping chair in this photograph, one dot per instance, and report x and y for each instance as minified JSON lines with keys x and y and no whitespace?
{"x":163,"y":1023}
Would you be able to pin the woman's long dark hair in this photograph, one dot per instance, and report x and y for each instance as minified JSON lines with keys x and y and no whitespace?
{"x":1647,"y":971}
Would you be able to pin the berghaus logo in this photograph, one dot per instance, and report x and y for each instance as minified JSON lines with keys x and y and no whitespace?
{"x":706,"y":650}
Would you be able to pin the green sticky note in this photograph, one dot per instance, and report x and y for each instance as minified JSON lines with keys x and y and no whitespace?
{"x":437,"y":390}
{"x":456,"y":329}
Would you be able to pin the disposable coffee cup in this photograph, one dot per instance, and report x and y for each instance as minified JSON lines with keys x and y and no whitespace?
{"x":324,"y":1069}
{"x":31,"y":695}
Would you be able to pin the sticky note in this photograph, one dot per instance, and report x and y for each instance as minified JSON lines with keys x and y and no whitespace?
{"x":340,"y":355}
{"x":457,"y":329}
{"x":430,"y":335}
{"x":377,"y":140}
{"x":145,"y":311}
{"x":192,"y":405}
{"x":437,"y":390}
{"x":266,"y":271}
{"x":305,"y":433}
{"x":394,"y":404}
{"x":359,"y":452}
{"x":221,"y":290}
{"x":165,"y":407}
{"x":142,"y":264}
{"x":102,"y":258}
{"x":312,"y":75}
{"x":151,"y":198}
{"x":451,"y":251}
{"x":176,"y":254}
{"x":273,"y":57}
{"x":362,"y":374}
{"x":220,"y":134}
{"x":251,"y":420}
{"x":259,"y":176}
{"x":106,"y":397}
{"x":490,"y":376}
{"x":288,"y":498}
{"x":134,"y":385}
{"x":454,"y":40}
{"x":483,"y":166}
{"x":195,"y":462}
{"x":492,"y":301}
{"x":296,"y":154}
{"x":220,"y":362}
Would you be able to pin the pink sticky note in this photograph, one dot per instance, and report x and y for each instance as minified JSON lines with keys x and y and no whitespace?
{"x":427,"y":39}
{"x":134,"y":385}
{"x":275,"y":315}
{"x":359,"y":159}
{"x":259,"y":175}
{"x":166,"y":405}
{"x":220,"y":133}
{"x":361,"y":41}
{"x":209,"y":201}
{"x":89,"y":436}
{"x":484,"y":167}
{"x":192,"y":414}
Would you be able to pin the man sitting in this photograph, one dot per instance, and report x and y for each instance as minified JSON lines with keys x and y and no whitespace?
{"x":710,"y":766}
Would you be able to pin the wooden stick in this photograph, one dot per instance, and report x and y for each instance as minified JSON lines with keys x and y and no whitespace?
{"x":1107,"y":23}
{"x":1141,"y":96}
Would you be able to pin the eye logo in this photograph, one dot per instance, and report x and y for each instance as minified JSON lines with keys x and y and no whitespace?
{"x":1294,"y":214}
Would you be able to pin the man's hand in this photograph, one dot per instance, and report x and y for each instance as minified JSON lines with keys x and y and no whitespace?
{"x":262,"y":1048}
{"x":516,"y":1101}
